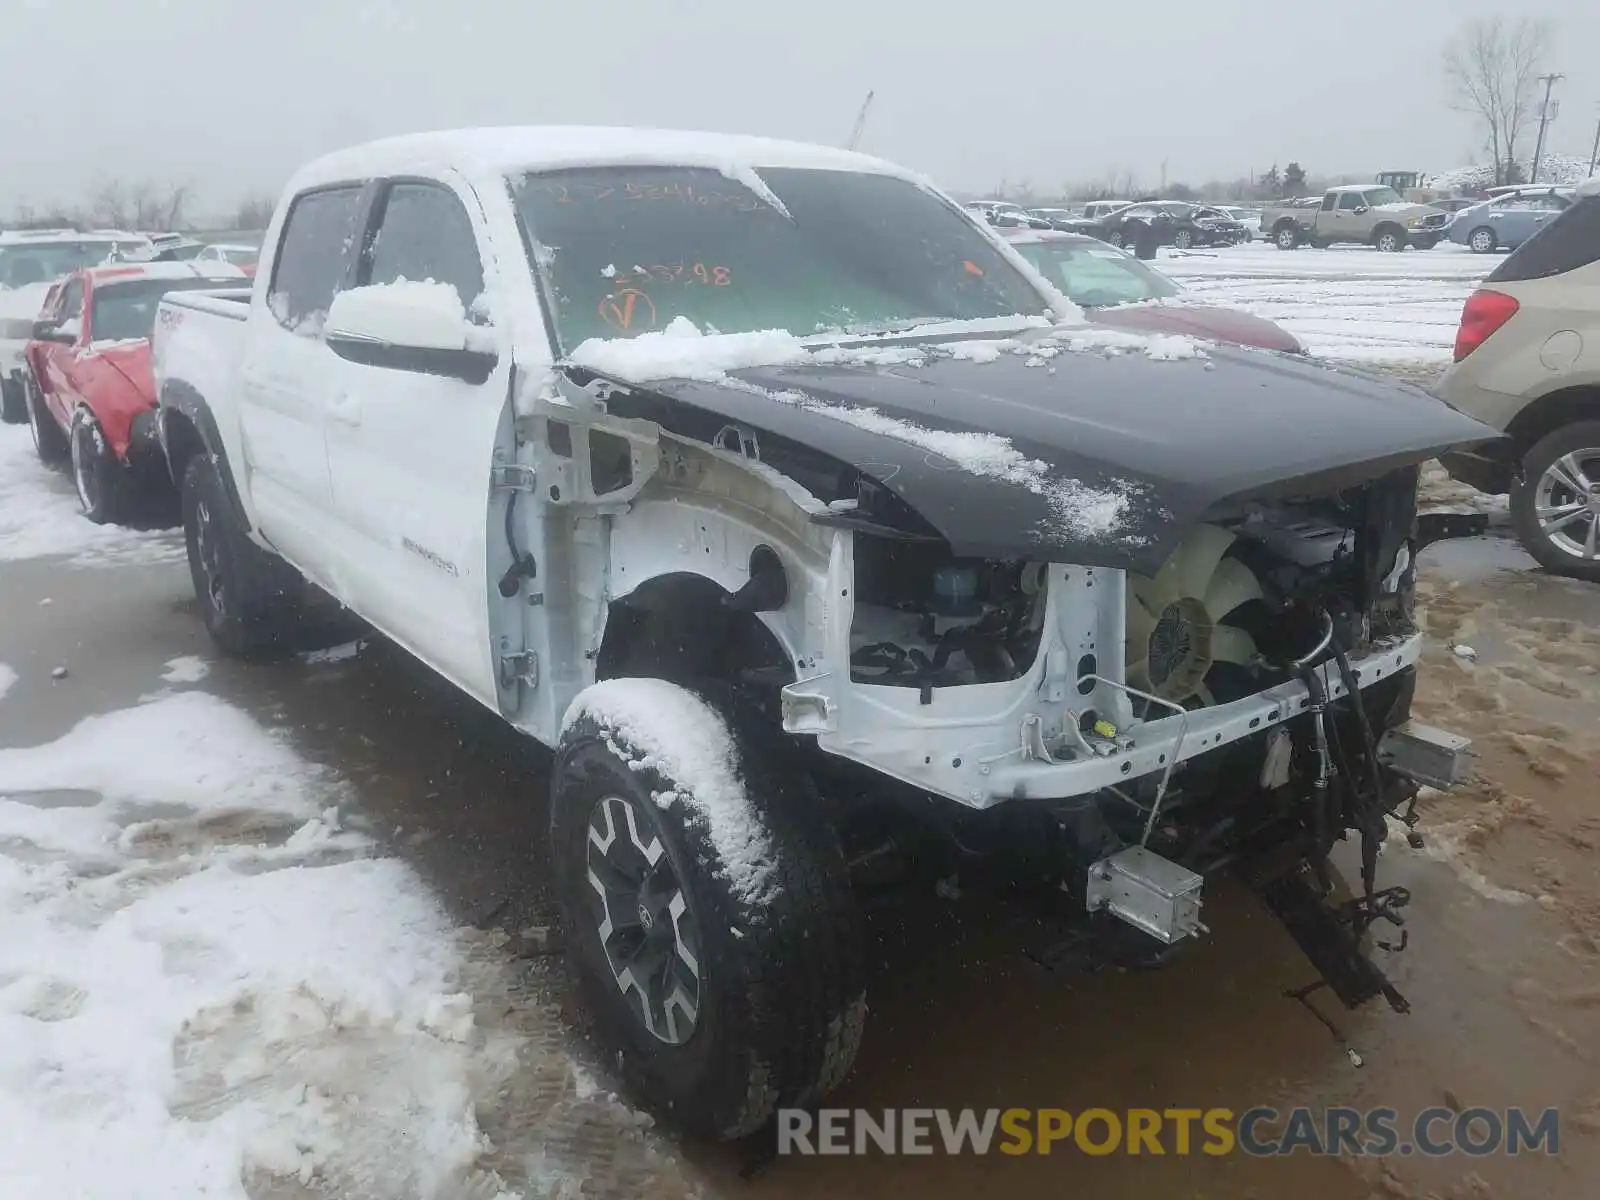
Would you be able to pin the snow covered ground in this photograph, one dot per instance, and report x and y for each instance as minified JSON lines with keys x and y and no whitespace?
{"x":40,"y":515}
{"x":1348,"y":303}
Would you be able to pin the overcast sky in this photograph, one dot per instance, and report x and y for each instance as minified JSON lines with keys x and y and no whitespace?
{"x":231,"y":95}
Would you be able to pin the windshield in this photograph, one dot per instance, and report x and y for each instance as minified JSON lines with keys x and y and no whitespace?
{"x":35,"y":262}
{"x":1382,"y":195}
{"x":626,"y":250}
{"x":128,"y":310}
{"x":1095,"y":275}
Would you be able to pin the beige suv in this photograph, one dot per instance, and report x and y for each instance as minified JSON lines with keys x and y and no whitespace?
{"x":1528,"y":363}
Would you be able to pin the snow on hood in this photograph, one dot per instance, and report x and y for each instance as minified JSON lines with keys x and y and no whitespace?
{"x":682,"y":351}
{"x":24,"y":302}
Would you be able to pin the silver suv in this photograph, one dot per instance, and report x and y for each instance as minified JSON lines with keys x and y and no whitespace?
{"x":1528,"y":363}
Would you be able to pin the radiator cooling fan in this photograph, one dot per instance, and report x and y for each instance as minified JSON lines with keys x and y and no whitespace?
{"x":1178,"y":619}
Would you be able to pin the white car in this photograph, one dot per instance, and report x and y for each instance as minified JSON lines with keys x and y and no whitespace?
{"x":902,"y":530}
{"x":30,"y":261}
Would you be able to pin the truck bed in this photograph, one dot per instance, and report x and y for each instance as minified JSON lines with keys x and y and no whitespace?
{"x":198,"y":340}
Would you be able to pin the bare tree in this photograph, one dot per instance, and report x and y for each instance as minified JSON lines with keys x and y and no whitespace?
{"x":254,"y":212}
{"x":1492,"y":66}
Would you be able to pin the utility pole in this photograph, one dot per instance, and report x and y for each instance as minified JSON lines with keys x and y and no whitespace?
{"x":1545,"y":117}
{"x":1594,"y":155}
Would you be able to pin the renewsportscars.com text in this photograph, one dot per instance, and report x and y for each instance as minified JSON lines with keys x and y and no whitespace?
{"x":1258,"y":1132}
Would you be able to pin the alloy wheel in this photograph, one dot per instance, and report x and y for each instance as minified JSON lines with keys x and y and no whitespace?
{"x":642,"y":917}
{"x":1567,"y":504}
{"x":205,"y":542}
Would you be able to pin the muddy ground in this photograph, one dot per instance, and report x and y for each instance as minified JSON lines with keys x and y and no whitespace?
{"x":1502,"y":967}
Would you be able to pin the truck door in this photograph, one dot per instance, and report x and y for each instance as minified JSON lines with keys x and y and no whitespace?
{"x":412,"y":453}
{"x":1347,"y":222}
{"x":283,"y":377}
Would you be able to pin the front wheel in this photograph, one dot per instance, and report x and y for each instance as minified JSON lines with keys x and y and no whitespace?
{"x":100,"y":479}
{"x":706,"y":906}
{"x":1115,"y":238}
{"x":1389,"y":241}
{"x":249,"y":600}
{"x":1483,"y":240}
{"x":1556,"y":508}
{"x":1182,"y":240}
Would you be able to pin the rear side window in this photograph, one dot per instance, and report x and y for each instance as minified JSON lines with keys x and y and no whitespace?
{"x":311,"y":257}
{"x":425,"y":234}
{"x":1570,"y":241}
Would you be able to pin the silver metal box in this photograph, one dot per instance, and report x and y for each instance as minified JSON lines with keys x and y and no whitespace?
{"x":1148,"y":892}
{"x":1426,"y":755}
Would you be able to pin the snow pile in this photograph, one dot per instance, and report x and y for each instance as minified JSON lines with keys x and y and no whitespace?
{"x":40,"y":516}
{"x":658,"y":726}
{"x":186,"y":668}
{"x":1559,"y":170}
{"x":681,"y":351}
{"x":207,"y":987}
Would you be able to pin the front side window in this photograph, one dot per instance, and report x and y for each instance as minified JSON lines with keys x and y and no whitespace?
{"x":1094,"y":275}
{"x":424,"y":234}
{"x":1328,"y":201}
{"x":627,"y":250}
{"x":312,"y":254}
{"x":1349,"y":201}
{"x":126,"y":311}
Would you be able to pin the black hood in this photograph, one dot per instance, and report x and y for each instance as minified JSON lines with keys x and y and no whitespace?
{"x":1170,"y":438}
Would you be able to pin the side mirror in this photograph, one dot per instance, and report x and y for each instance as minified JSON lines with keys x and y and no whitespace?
{"x":55,"y":331}
{"x":1360,"y":210}
{"x":419,"y":327}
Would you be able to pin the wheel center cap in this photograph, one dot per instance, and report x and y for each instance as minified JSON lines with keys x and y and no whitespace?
{"x":647,"y":919}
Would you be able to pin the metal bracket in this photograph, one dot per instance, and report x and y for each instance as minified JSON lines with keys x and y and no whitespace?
{"x":519,"y":666}
{"x":513,"y":477}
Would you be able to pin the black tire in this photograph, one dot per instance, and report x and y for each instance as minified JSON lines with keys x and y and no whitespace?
{"x":1483,"y":240}
{"x":1582,"y":441}
{"x":250,"y":600}
{"x":1287,"y":236}
{"x":49,"y":443}
{"x":13,"y":403}
{"x":1182,"y":240}
{"x":1115,"y":238}
{"x":101,"y":480}
{"x":779,"y":993}
{"x":1389,"y":239}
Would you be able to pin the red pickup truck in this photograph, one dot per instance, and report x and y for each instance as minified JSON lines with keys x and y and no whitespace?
{"x":90,"y":392}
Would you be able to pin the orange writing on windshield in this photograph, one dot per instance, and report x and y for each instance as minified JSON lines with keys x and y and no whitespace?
{"x":971,"y":268}
{"x":628,"y":307}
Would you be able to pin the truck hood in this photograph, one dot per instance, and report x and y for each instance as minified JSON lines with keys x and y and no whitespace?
{"x":1087,"y":456}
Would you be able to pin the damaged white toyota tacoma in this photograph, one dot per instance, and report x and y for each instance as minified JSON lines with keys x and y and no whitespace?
{"x":804,"y":521}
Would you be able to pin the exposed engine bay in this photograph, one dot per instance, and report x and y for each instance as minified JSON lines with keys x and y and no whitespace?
{"x":1264,"y":594}
{"x":1242,"y":595}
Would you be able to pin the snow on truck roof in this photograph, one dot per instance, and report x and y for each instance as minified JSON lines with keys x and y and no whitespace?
{"x":498,"y":151}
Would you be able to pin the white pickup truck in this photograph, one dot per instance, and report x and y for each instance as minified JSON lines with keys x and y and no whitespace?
{"x":805,"y":520}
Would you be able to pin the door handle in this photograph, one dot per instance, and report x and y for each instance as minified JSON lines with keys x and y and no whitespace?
{"x":346,"y":410}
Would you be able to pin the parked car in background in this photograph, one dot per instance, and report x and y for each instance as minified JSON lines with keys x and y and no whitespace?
{"x":1114,"y":288}
{"x":30,"y":261}
{"x":1005,"y":214}
{"x":1096,"y":209}
{"x":1527,"y":363}
{"x":1144,"y":227}
{"x":1053,"y":216}
{"x":178,"y":249}
{"x":1249,"y":219}
{"x":1366,"y":213}
{"x":90,"y":392}
{"x":1509,"y":220}
{"x":233,"y":253}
